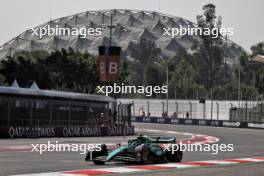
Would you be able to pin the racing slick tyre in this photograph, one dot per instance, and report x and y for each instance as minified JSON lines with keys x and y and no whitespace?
{"x":175,"y":157}
{"x":145,"y":155}
{"x":98,"y":162}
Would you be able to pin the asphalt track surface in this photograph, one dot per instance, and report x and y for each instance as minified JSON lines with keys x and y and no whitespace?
{"x":247,"y":143}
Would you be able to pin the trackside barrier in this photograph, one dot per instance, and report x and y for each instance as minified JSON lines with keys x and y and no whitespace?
{"x":199,"y":122}
{"x":67,"y":131}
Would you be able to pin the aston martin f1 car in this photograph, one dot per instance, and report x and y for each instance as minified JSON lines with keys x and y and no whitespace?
{"x":142,"y":149}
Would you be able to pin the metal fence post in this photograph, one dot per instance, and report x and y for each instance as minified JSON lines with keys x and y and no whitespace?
{"x":217,"y":110}
{"x":177,"y":108}
{"x":212,"y":105}
{"x":50,"y":113}
{"x":9,"y":111}
{"x":133,"y":102}
{"x":246,"y":117}
{"x":148,"y":108}
{"x":190,"y":109}
{"x":119,"y":113}
{"x":204,"y":113}
{"x":69,"y":115}
{"x":31,"y":114}
{"x":231,"y":104}
{"x":162,"y":107}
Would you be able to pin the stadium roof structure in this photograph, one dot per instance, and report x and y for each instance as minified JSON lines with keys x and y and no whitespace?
{"x":138,"y":25}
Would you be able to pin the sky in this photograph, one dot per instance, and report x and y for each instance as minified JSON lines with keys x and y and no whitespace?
{"x":245,"y":16}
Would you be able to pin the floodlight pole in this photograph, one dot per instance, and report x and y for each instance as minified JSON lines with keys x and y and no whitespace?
{"x":111,"y":26}
{"x":107,"y":49}
{"x":167,"y":82}
{"x":238,"y":90}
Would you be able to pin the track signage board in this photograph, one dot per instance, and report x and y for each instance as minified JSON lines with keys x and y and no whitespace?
{"x":200,"y":122}
{"x":29,"y":132}
{"x":109,"y":58}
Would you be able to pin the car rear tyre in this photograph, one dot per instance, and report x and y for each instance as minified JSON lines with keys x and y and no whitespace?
{"x":145,"y":156}
{"x":175,"y":157}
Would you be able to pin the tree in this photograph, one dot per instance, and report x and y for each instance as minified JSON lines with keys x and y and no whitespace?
{"x":257,"y":49}
{"x":183,"y":80}
{"x":72,"y":70}
{"x":23,"y":67}
{"x":59,"y":70}
{"x":145,"y":53}
{"x":248,"y":92}
{"x":258,"y":69}
{"x":2,"y":80}
{"x":252,"y":74}
{"x":209,"y":56}
{"x":153,"y":75}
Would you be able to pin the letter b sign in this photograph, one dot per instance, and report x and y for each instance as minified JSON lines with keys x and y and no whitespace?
{"x":113,"y":68}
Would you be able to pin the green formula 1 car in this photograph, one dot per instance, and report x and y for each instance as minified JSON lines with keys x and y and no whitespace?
{"x":142,"y":150}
